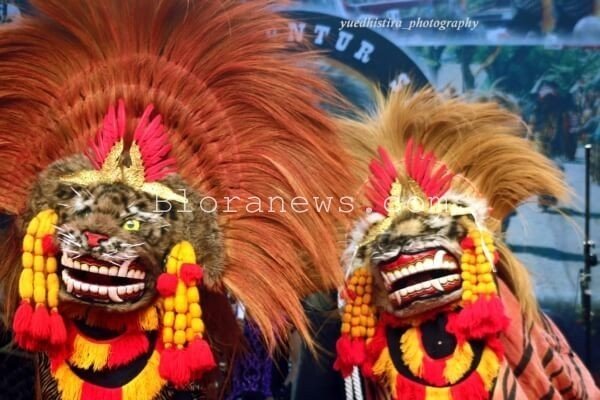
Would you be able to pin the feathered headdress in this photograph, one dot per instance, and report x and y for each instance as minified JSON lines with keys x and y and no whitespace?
{"x":421,"y":144}
{"x":425,"y":158}
{"x":205,"y":89}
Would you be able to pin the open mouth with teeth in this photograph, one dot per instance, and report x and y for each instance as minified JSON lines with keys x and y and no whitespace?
{"x":93,"y":280}
{"x":429,"y":274}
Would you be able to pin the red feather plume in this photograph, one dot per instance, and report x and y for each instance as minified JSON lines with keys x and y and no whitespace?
{"x":420,"y":166}
{"x":154,"y":146}
{"x":383,"y":175}
{"x":149,"y":135}
{"x":113,"y":130}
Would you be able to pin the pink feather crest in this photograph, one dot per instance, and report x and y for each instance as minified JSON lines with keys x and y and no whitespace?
{"x":421,"y":167}
{"x":113,"y":130}
{"x":383,"y":175}
{"x":151,"y":137}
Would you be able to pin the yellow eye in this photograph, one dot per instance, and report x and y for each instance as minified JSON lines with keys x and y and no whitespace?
{"x":132,"y":225}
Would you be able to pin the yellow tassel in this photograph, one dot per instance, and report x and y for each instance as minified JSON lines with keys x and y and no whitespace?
{"x":147,"y":384}
{"x":435,"y":393}
{"x":384,"y":369}
{"x":488,"y":368}
{"x":38,"y":280}
{"x":410,"y":343}
{"x":477,"y":266}
{"x":182,"y":312}
{"x":69,"y":385}
{"x":458,"y":365}
{"x":26,"y":284}
{"x":88,"y":354}
{"x":358,"y":315}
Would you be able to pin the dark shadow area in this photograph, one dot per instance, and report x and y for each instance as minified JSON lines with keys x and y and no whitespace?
{"x":16,"y":371}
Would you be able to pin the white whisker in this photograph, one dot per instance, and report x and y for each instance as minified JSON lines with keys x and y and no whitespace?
{"x":133,"y":245}
{"x":76,"y":192}
{"x":69,"y":242}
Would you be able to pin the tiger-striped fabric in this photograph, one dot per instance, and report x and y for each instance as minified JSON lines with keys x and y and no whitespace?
{"x":540,"y":364}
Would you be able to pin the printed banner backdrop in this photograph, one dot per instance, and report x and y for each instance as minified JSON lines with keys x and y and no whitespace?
{"x":429,"y":22}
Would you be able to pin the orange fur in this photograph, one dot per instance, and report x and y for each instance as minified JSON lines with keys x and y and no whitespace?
{"x":241,"y":112}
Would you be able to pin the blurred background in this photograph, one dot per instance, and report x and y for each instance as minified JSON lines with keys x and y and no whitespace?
{"x":538,"y":58}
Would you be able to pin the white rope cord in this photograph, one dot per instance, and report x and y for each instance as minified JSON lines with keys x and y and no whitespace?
{"x":348,"y":388}
{"x":358,"y":395}
{"x":352,"y":385}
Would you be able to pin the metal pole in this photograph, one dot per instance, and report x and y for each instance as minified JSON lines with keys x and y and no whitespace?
{"x":590,"y":260}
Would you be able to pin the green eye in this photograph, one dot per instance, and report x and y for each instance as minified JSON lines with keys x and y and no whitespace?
{"x":132,"y":225}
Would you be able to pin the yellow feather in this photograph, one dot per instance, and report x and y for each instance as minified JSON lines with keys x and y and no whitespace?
{"x":147,"y":384}
{"x":88,"y":354}
{"x":413,"y":353}
{"x":488,"y":368}
{"x":384,"y":369}
{"x":69,"y":384}
{"x":149,"y":319}
{"x":460,"y":362}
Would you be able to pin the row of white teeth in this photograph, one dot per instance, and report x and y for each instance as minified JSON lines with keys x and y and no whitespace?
{"x":436,"y":283}
{"x":429,"y":264}
{"x":123,"y":271}
{"x":113,"y":292}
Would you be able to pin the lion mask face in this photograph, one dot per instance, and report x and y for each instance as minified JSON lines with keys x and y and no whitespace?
{"x":112,"y":240}
{"x":416,"y":263}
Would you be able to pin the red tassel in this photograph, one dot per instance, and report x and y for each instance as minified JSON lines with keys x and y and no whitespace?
{"x":22,"y":319}
{"x":481,"y":319}
{"x":174,"y":367}
{"x":90,"y":391}
{"x":471,"y":388}
{"x":199,"y":356}
{"x":374,"y":349}
{"x":166,"y":284}
{"x":40,"y":323}
{"x":343,"y":362}
{"x":191,"y":274}
{"x":126,"y":348}
{"x":58,"y":355}
{"x":358,"y":351}
{"x":58,"y":331}
{"x":350,"y":353}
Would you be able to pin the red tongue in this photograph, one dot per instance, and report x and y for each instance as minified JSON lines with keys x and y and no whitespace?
{"x":407,"y":259}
